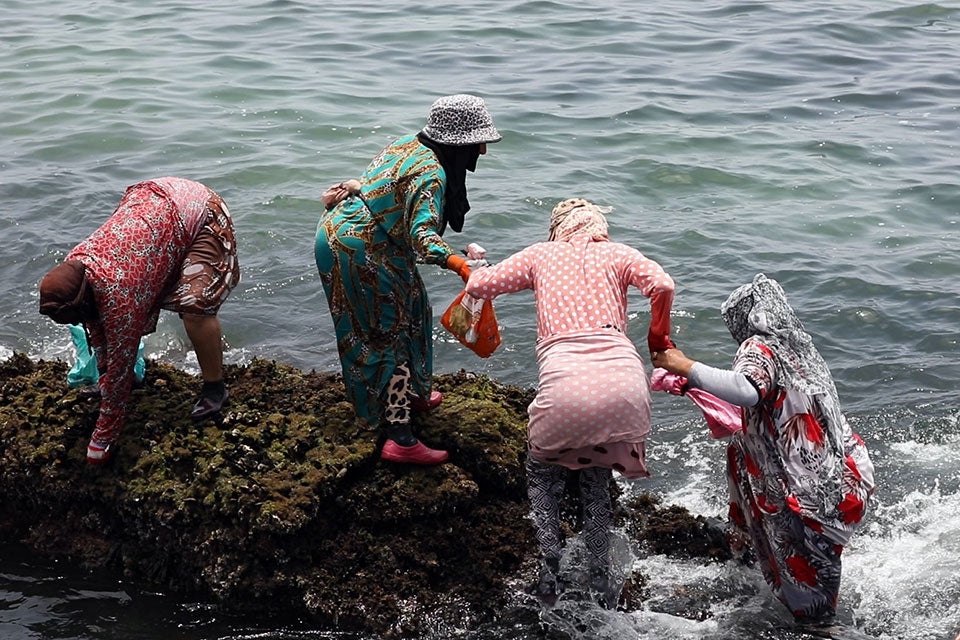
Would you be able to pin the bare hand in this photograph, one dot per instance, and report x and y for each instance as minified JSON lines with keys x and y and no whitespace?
{"x":673,"y":360}
{"x":338,"y":192}
{"x":351,"y":186}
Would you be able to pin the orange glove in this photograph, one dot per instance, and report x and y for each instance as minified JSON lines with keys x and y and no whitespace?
{"x":458,"y":264}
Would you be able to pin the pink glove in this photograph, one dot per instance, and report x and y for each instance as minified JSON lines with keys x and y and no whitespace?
{"x":475,"y":252}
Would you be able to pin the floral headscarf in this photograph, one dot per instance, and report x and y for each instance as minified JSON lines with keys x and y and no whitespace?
{"x":761,"y":309}
{"x":577,"y":216}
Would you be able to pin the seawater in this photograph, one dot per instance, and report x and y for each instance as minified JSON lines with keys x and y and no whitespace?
{"x":816,"y":142}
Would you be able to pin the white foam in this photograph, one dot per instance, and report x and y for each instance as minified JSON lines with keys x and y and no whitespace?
{"x":929,"y":453}
{"x":903,"y":573}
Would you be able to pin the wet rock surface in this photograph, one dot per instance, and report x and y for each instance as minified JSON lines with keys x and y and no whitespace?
{"x":282,"y":506}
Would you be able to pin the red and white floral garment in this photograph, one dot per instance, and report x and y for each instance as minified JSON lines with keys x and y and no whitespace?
{"x":799,"y":483}
{"x":169,"y":244}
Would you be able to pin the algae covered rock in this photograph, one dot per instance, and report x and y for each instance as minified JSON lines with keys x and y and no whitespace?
{"x":282,"y":505}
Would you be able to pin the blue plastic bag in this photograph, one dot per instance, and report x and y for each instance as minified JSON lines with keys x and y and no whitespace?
{"x":84,"y":371}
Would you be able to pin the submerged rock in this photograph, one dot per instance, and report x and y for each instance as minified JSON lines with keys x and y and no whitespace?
{"x":283,"y":505}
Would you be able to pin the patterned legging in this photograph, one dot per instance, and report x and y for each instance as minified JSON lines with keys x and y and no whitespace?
{"x":545,"y":486}
{"x":397,"y":405}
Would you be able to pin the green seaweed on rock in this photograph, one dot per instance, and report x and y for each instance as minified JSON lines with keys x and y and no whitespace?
{"x":283,"y":505}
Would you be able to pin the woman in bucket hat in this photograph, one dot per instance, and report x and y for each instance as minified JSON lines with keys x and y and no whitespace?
{"x":369,"y":238}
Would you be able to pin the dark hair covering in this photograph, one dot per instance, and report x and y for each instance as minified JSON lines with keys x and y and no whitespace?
{"x":456,"y":161}
{"x":66,"y":296}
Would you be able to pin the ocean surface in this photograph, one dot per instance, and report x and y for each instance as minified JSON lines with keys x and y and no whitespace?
{"x":816,"y":142}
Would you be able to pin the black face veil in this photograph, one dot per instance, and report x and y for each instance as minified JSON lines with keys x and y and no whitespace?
{"x":456,"y":161}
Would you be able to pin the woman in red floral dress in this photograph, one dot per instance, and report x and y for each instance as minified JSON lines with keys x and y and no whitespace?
{"x":168,"y":245}
{"x":799,"y":477}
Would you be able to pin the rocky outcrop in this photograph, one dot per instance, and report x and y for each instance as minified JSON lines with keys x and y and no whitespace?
{"x":283,"y":505}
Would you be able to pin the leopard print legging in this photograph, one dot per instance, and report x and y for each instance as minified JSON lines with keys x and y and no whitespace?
{"x":397,"y":410}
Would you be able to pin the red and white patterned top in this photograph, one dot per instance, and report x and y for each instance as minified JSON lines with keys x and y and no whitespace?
{"x":132,"y":261}
{"x":800,"y":452}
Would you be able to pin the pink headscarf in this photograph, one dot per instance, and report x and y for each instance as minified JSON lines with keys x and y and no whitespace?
{"x":577,"y":216}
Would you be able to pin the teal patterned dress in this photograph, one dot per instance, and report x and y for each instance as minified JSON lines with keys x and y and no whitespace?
{"x":366,"y":251}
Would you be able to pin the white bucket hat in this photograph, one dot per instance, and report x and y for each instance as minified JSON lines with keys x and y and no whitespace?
{"x":460,"y":120}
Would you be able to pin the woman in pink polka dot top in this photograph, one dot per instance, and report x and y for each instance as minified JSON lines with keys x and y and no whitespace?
{"x":592,"y":409}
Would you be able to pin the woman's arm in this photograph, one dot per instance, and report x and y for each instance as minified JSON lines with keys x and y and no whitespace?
{"x":732,"y":386}
{"x":653,"y":282}
{"x":513,"y":274}
{"x":117,"y":345}
{"x":425,"y":201}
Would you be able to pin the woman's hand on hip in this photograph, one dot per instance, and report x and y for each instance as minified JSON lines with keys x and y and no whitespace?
{"x":335,"y":194}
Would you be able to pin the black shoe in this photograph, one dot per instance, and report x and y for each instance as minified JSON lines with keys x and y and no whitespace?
{"x":89,"y":391}
{"x":549,"y":587}
{"x":207,"y":407}
{"x":825,"y":626}
{"x":600,"y":589}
